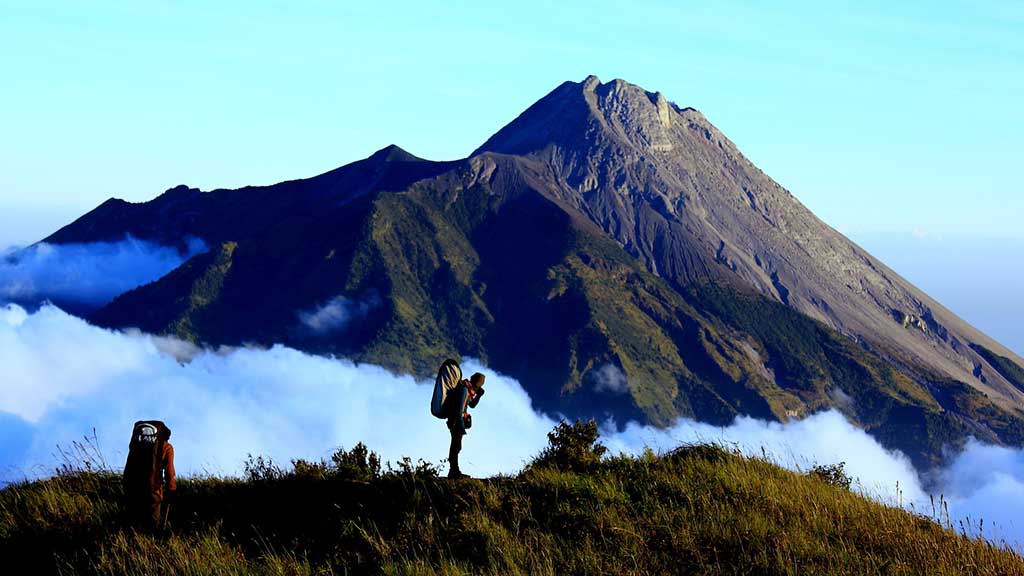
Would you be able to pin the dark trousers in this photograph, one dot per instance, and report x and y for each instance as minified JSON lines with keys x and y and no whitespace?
{"x":455,"y":403}
{"x":144,"y":510}
{"x":454,"y":449}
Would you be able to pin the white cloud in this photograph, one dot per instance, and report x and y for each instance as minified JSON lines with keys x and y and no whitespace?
{"x":89,"y":274}
{"x":608,"y":379}
{"x":337,"y":313}
{"x":840,"y":397}
{"x":987,"y":482}
{"x":13,"y":315}
{"x":63,"y":377}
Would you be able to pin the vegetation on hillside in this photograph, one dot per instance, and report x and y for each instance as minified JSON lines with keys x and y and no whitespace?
{"x":188,"y":291}
{"x":921,"y":416}
{"x":700,"y":509}
{"x":1008,"y":368}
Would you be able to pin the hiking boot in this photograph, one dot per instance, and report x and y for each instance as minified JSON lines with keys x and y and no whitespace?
{"x":457,"y":474}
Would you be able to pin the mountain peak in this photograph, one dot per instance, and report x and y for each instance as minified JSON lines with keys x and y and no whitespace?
{"x":394,"y":153}
{"x":576,"y":113}
{"x":180,"y":192}
{"x":592,"y":83}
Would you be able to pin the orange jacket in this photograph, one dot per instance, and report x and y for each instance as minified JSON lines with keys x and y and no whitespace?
{"x":167,"y":466}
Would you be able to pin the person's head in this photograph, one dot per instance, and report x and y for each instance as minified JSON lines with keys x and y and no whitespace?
{"x":477,"y":380}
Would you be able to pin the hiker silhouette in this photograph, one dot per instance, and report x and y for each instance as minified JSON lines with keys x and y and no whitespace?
{"x":452,"y":399}
{"x":147,"y":470}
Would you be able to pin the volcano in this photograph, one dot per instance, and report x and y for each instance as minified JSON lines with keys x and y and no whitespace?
{"x":613,"y":251}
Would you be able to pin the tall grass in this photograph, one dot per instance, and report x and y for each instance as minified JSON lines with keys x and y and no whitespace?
{"x":700,"y":509}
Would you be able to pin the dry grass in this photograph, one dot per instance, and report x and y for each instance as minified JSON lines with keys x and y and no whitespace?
{"x":699,"y":510}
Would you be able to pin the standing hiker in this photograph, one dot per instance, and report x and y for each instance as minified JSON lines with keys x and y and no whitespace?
{"x":453,"y":397}
{"x":148,"y":469}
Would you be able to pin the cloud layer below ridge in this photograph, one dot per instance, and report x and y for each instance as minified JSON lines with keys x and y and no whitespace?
{"x":64,"y":378}
{"x":86,"y":274}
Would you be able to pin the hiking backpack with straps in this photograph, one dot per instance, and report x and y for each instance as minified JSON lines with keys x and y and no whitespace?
{"x":142,"y":470}
{"x":448,"y":377}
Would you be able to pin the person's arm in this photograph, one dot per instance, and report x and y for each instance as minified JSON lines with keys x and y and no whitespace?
{"x":169,"y":475}
{"x":456,"y":422}
{"x":476,"y":398}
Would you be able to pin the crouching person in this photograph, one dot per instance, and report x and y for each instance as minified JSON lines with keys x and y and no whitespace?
{"x":148,"y":470}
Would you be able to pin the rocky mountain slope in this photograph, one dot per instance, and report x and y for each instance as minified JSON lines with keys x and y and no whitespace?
{"x":677,"y":194}
{"x":614,"y":252}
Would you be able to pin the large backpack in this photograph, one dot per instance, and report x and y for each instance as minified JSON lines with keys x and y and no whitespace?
{"x":142,"y":470}
{"x":448,"y":377}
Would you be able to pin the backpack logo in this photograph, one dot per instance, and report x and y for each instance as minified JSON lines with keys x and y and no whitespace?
{"x":146,"y":434}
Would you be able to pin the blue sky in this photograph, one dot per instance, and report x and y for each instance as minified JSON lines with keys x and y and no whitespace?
{"x":889,"y":120}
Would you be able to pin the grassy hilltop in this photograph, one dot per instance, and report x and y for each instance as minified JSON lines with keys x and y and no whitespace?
{"x":697,"y":510}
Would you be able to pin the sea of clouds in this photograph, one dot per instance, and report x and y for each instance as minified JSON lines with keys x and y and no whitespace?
{"x":62,"y":379}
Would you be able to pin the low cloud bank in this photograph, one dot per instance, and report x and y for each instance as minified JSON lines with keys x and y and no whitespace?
{"x":63,"y":377}
{"x":86,"y":274}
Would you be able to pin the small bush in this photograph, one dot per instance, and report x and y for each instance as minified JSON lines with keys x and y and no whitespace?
{"x":713,"y":453}
{"x":359,"y":463}
{"x":572,"y":447}
{"x":832,"y":474}
{"x":421,"y":470}
{"x":260,"y":469}
{"x":310,"y":470}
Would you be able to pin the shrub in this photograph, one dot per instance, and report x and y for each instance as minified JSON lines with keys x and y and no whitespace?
{"x":713,"y":453}
{"x":421,"y":470}
{"x":310,"y":470}
{"x":258,"y":468}
{"x":572,"y":447}
{"x":359,"y":463}
{"x":832,"y":474}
